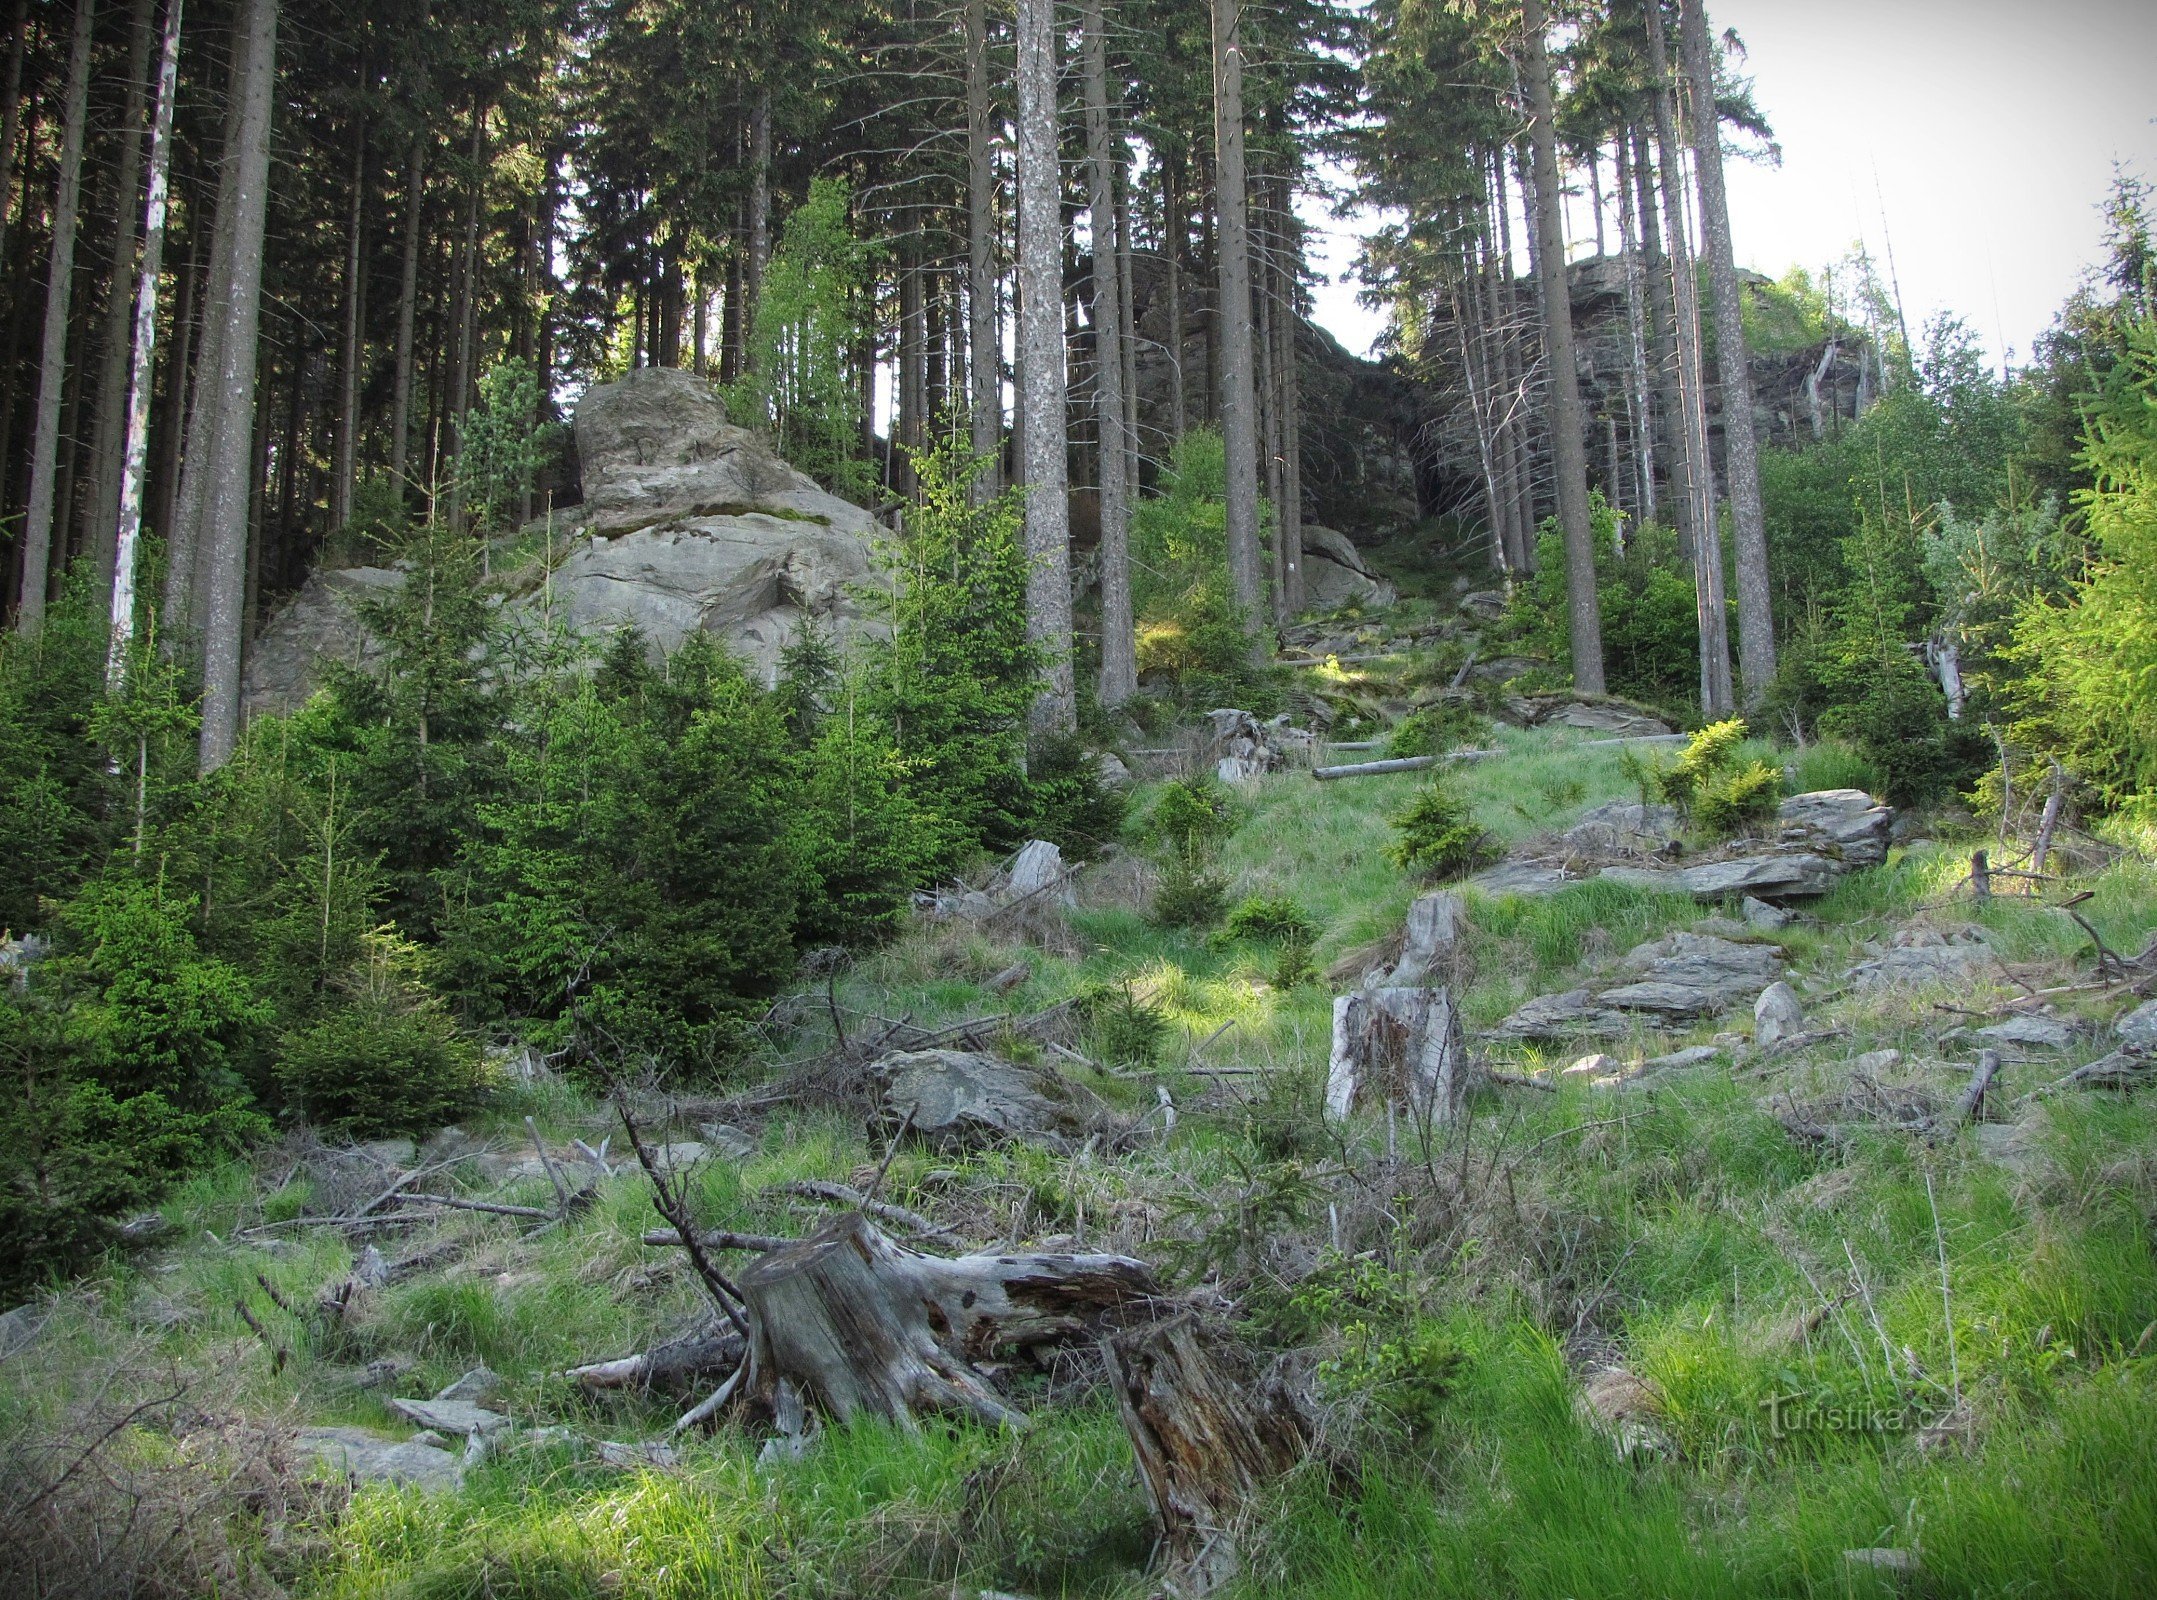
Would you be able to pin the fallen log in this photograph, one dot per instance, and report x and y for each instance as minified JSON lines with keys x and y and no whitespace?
{"x":1207,"y":1440}
{"x":665,"y":1366}
{"x":1366,"y":769}
{"x":859,"y":1324}
{"x":720,"y":1239}
{"x":1972,"y":1096}
{"x":846,"y":1195}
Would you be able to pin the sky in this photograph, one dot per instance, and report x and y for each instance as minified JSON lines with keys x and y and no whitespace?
{"x":1975,"y":138}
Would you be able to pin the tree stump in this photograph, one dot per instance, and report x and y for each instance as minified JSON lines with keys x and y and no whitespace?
{"x":859,"y":1324}
{"x":1398,"y":1046}
{"x":1206,"y":1439}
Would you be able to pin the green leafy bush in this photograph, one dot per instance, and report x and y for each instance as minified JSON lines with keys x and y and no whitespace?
{"x":389,"y":1058}
{"x":1437,"y":834}
{"x":1188,"y":896}
{"x":1435,"y":729}
{"x":1726,"y":801}
{"x":1273,"y":917}
{"x":1713,"y":789}
{"x":1122,"y":1030}
{"x":1191,"y":815}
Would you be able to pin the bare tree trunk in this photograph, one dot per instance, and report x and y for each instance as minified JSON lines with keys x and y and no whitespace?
{"x":759,"y":208}
{"x":232,"y":391}
{"x":11,"y":98}
{"x":1474,"y":347}
{"x":136,"y":454}
{"x":1636,"y":335}
{"x":1717,"y":698}
{"x":1239,"y":403}
{"x":984,"y":352}
{"x":1041,"y":368}
{"x":100,"y":496}
{"x":1175,"y":232}
{"x":1119,"y":646}
{"x":187,"y":311}
{"x":1288,"y":514}
{"x":1741,"y":448}
{"x":37,"y":534}
{"x":1568,"y":454}
{"x":458,"y":400}
{"x":400,"y":422}
{"x":348,"y":367}
{"x":1668,"y":398}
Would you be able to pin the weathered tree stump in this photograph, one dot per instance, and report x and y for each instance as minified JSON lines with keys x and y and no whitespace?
{"x":1207,"y":1439}
{"x":859,"y":1324}
{"x":1399,"y":1046}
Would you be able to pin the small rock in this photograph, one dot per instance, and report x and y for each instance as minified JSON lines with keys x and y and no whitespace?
{"x":1766,"y":918}
{"x":458,"y":1418}
{"x":474,"y":1386}
{"x":1593,"y":1066}
{"x":730,"y":1141}
{"x":1847,"y":823}
{"x":428,"y":1436}
{"x":1485,"y":605}
{"x":1917,"y":966}
{"x":964,"y":1096}
{"x":363,"y":1457}
{"x":1874,"y":1062}
{"x":1903,"y":1563}
{"x":1698,"y":1055}
{"x":1623,"y":825}
{"x":2138,"y":1028}
{"x":553,"y":1436}
{"x":1010,"y":978}
{"x":1723,"y":928}
{"x":2030,"y":1032}
{"x":1110,"y":771}
{"x":1776,"y":1015}
{"x":680,"y":1154}
{"x":1518,"y":877}
{"x":1037,"y":872}
{"x":389,"y":1152}
{"x":638,"y":1454}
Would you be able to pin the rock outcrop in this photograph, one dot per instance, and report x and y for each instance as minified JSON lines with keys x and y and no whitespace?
{"x":1675,"y":980}
{"x":689,"y":525}
{"x":1335,"y":573}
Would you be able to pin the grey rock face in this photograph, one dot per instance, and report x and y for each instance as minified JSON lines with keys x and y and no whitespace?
{"x":1764,"y":917}
{"x":960,"y":1096}
{"x":1625,"y":825}
{"x":1912,"y":966}
{"x":363,"y":1457}
{"x":2138,"y":1028}
{"x":1772,"y":877}
{"x":1847,"y":824}
{"x":1776,"y":1015}
{"x":1335,"y":573}
{"x":456,"y":1418}
{"x":1037,"y":873}
{"x":653,"y":417}
{"x":474,"y":1386}
{"x":2031,"y":1033}
{"x":1519,"y":877}
{"x":1611,"y":721}
{"x":1681,"y":977}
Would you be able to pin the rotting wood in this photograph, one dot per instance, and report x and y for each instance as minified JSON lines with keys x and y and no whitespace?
{"x":1207,"y":1441}
{"x":720,"y":1239}
{"x":1399,"y":1046}
{"x":1368,"y":769}
{"x":861,"y":1325}
{"x":847,"y":1195}
{"x":666,"y":1365}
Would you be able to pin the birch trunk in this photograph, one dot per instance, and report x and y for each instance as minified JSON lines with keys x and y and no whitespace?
{"x":1238,"y":399}
{"x":984,"y":353}
{"x":1041,"y":368}
{"x":1568,"y":453}
{"x":37,"y":532}
{"x":1741,"y":449}
{"x":136,"y":452}
{"x":1119,"y":646}
{"x":226,"y":503}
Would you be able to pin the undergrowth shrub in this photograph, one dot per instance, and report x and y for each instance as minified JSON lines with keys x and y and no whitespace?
{"x":1191,"y":815}
{"x":1123,"y":1029}
{"x":1714,"y":790}
{"x":1437,"y":834}
{"x":1279,"y":917}
{"x":1188,"y":896}
{"x":1435,"y":729}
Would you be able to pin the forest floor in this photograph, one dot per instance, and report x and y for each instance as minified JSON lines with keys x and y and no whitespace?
{"x":1618,"y":1338}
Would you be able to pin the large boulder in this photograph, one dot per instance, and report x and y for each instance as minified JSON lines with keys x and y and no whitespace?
{"x":1622,"y":827}
{"x":1847,"y":824}
{"x":1335,"y":573}
{"x":689,"y":525}
{"x":960,"y":1097}
{"x":1675,"y":979}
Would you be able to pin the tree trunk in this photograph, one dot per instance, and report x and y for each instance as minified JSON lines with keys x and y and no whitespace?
{"x":861,"y":1326}
{"x":1041,"y":368}
{"x":1716,"y":696}
{"x":1668,"y":403}
{"x":400,"y":423}
{"x":37,"y":535}
{"x":458,"y":398}
{"x":187,"y":312}
{"x":1567,"y":451}
{"x":1287,"y":320}
{"x":1398,"y":1046}
{"x":348,"y":365}
{"x":11,"y":98}
{"x":136,"y":451}
{"x":232,"y":392}
{"x":1175,"y":233}
{"x":1741,"y":448}
{"x":1207,"y":1438}
{"x":101,"y":489}
{"x":985,"y":356}
{"x":1239,"y":402}
{"x":1636,"y":337}
{"x":1119,"y":647}
{"x":759,"y":208}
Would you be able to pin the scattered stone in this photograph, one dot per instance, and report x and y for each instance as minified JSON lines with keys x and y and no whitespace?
{"x":728,"y":1140}
{"x":1036,"y":874}
{"x":680,"y":1154}
{"x":1485,"y":605}
{"x":1335,"y":573}
{"x":1696,"y":1055}
{"x":1691,"y":975}
{"x":1623,"y":826}
{"x":1435,"y":922}
{"x":552,"y":1437}
{"x":1724,"y":927}
{"x":388,"y":1152}
{"x":1593,"y":1066}
{"x":1912,"y":966}
{"x":961,"y":1096}
{"x":1627,"y":1409}
{"x":1611,"y":719}
{"x":2030,"y":1032}
{"x":1519,"y":877}
{"x":1847,"y":824}
{"x":638,"y":1455}
{"x":475,"y":1386}
{"x":458,"y":1418}
{"x":2138,"y":1028}
{"x":1874,"y":1062}
{"x":2016,"y":1147}
{"x":427,"y":1436}
{"x":1777,"y":1015}
{"x":1803,"y":876}
{"x":363,"y":1457}
{"x":1110,"y":771}
{"x":1764,"y":918}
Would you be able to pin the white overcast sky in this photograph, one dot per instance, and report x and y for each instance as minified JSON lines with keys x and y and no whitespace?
{"x":1975,"y":136}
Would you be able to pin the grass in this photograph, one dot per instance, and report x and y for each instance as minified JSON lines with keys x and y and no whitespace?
{"x":1680,"y":1232}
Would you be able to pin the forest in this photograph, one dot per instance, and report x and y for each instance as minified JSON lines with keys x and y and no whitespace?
{"x":763,"y":837}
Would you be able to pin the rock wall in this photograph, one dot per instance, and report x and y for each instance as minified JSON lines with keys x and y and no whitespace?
{"x":689,"y":525}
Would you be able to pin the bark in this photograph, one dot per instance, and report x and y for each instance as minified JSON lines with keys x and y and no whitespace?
{"x":856,"y":1324}
{"x":400,"y":422}
{"x":232,"y":393}
{"x":11,"y":99}
{"x":1208,"y":1440}
{"x":1398,"y":1047}
{"x":1474,"y":347}
{"x":1568,"y":453}
{"x":101,"y":491}
{"x":1119,"y":644}
{"x":136,"y":448}
{"x":1175,"y":233}
{"x":984,"y":359}
{"x":1741,"y":448}
{"x":1041,"y":368}
{"x":187,"y":311}
{"x":1668,"y":404}
{"x":1288,"y":514}
{"x":1717,"y":697}
{"x":458,"y":399}
{"x":37,"y":535}
{"x":348,"y":366}
{"x":1239,"y":402}
{"x":759,"y":208}
{"x":1636,"y":338}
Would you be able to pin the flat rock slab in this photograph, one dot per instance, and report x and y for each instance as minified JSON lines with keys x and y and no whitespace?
{"x":363,"y":1457}
{"x":2138,"y":1028}
{"x":1520,"y":877}
{"x":1682,"y":976}
{"x":2029,"y":1033}
{"x":962,"y":1096}
{"x":1915,"y":966}
{"x":458,"y":1418}
{"x":1847,"y":824}
{"x":1623,"y":825}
